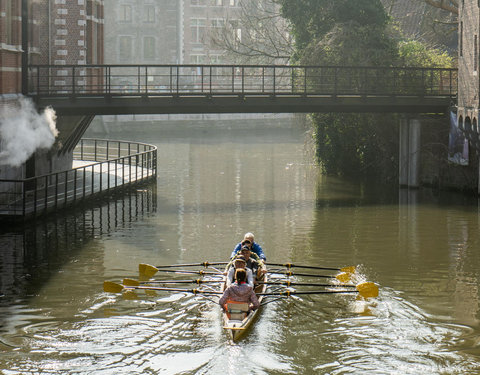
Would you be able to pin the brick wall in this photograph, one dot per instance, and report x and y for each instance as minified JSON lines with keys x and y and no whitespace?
{"x":468,"y":61}
{"x":10,"y":47}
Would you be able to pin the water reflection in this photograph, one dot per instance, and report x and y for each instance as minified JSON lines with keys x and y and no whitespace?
{"x":213,"y":186}
{"x":35,"y":251}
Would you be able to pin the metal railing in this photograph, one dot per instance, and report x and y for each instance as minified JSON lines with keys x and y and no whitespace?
{"x":176,"y":80}
{"x":107,"y":165}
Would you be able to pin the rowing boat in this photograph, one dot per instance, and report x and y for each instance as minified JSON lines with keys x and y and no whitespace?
{"x":237,"y":318}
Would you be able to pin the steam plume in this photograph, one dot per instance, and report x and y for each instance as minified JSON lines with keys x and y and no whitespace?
{"x":23,"y":131}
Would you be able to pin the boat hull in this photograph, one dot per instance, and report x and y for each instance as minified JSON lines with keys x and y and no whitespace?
{"x":238,"y":328}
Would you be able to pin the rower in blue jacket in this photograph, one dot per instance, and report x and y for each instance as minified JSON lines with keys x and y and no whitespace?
{"x":249,"y":240}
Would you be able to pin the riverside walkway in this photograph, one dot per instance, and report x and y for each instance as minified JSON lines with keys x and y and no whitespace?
{"x":100,"y":166}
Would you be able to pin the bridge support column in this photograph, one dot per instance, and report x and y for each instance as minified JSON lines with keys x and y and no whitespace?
{"x":403,"y":154}
{"x":409,"y":153}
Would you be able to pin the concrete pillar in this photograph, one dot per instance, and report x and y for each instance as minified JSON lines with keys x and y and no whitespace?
{"x":478,"y":184}
{"x":403,"y":154}
{"x":414,"y":153}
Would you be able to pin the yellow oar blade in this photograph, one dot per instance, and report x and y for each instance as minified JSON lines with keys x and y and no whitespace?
{"x":349,"y":269}
{"x":147,"y":270}
{"x":367,"y":290}
{"x":343,"y":277}
{"x":150,"y":293}
{"x":129,"y":294}
{"x":131,"y":282}
{"x":111,"y":287}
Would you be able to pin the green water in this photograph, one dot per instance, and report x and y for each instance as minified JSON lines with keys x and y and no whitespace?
{"x":214,"y":184}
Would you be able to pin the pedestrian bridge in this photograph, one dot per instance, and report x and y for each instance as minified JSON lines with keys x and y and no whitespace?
{"x":158,"y":89}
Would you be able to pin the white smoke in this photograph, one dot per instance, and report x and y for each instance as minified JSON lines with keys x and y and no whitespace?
{"x":23,"y":131}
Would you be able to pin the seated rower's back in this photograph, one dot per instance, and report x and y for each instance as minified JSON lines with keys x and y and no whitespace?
{"x":240,"y":291}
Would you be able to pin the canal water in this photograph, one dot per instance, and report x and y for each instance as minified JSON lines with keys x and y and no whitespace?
{"x":217,"y":181}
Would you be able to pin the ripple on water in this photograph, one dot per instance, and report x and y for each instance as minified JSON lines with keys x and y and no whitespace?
{"x":400,"y":338}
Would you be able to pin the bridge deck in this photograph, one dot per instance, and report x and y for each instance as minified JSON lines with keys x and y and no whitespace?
{"x":150,"y":89}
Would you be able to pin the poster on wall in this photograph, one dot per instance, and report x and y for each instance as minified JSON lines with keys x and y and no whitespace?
{"x":457,"y":143}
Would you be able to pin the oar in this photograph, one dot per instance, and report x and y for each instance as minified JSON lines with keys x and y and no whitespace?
{"x":150,"y":271}
{"x":343,"y":277}
{"x":142,"y":266}
{"x":111,"y":287}
{"x":366,"y":290}
{"x":133,"y":282}
{"x":349,"y":269}
{"x":289,"y":283}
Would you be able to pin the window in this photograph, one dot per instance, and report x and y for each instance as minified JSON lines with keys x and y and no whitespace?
{"x":8,"y":23}
{"x":475,"y":53}
{"x":216,"y":59}
{"x":149,"y":48}
{"x":218,"y":23}
{"x":234,"y":3}
{"x":125,"y":47}
{"x":219,"y":3}
{"x":198,"y":3}
{"x":461,"y":39}
{"x":149,"y":14}
{"x":197,"y":59}
{"x":236,"y":30}
{"x":125,"y":13}
{"x":198,"y":29}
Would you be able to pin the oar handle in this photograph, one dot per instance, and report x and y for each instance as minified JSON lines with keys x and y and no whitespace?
{"x":203,"y":264}
{"x":291,"y":273}
{"x":291,"y":265}
{"x":293,"y":293}
{"x":289,"y":283}
{"x":194,"y":291}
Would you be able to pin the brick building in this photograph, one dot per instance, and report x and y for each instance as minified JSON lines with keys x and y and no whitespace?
{"x":468,"y":69}
{"x":59,"y":32}
{"x":10,"y":49}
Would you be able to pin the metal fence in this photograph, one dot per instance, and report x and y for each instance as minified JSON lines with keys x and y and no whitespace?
{"x":104,"y":165}
{"x":168,"y":80}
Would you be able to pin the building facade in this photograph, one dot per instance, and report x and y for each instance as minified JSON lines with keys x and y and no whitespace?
{"x":57,"y":32}
{"x":10,"y":50}
{"x":168,"y":32}
{"x":468,"y":69}
{"x":141,"y":31}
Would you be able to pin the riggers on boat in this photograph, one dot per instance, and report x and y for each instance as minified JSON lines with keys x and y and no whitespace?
{"x":236,"y":315}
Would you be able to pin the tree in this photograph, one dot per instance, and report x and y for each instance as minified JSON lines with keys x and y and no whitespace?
{"x":448,"y":5}
{"x":257,"y":34}
{"x":346,"y":32}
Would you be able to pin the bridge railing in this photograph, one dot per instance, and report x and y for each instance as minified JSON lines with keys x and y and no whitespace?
{"x":104,"y":165}
{"x":168,"y":80}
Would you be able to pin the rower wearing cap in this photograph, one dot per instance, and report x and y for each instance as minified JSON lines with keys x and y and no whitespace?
{"x":238,"y":263}
{"x":249,"y":240}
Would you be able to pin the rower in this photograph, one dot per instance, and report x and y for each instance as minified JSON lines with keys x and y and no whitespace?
{"x":255,"y":247}
{"x":254,"y":263}
{"x":241,"y":292}
{"x":238,"y":263}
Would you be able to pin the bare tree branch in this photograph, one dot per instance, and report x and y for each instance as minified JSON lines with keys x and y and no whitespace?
{"x":258,"y":33}
{"x":448,"y":5}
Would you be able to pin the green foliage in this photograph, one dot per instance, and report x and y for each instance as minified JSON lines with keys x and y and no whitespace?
{"x":356,"y":145}
{"x":354,"y":33}
{"x":414,"y":53}
{"x":330,"y":27}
